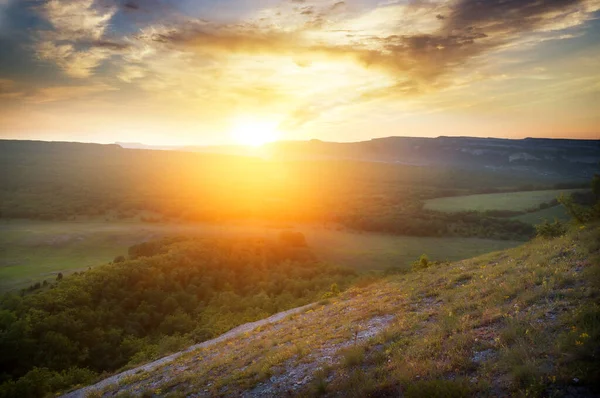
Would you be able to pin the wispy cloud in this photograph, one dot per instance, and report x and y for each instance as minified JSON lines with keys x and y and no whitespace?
{"x":76,"y":42}
{"x":75,"y":20}
{"x":65,"y":93}
{"x":9,"y":90}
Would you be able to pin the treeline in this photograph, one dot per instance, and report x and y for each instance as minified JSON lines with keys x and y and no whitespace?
{"x":164,"y":296}
{"x":507,"y":189}
{"x":431,"y":223}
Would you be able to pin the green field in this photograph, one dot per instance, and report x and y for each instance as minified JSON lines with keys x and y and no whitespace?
{"x":31,"y":251}
{"x":515,"y":201}
{"x":549,"y":214}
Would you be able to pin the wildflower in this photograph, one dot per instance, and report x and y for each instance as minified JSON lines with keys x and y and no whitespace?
{"x":584,"y":335}
{"x":578,"y":342}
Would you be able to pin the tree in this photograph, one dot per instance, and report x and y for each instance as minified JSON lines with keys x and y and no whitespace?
{"x":579,"y":213}
{"x":596,"y":186}
{"x":291,"y":238}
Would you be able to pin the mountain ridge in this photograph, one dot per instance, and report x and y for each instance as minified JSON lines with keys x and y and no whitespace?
{"x":543,"y":157}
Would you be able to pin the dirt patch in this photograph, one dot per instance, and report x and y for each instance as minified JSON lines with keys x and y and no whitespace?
{"x":296,"y":375}
{"x":245,"y":328}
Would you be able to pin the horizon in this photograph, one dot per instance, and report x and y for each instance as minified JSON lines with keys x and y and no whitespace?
{"x":169,"y":72}
{"x":175,"y":146}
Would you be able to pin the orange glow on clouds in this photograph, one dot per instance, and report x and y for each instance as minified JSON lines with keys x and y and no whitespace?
{"x":96,"y":70}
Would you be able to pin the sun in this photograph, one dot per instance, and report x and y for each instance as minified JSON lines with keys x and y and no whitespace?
{"x":253,"y":132}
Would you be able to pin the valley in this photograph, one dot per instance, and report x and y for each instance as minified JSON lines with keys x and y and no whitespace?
{"x":34,"y":251}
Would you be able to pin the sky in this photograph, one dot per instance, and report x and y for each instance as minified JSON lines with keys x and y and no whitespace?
{"x":212,"y":72}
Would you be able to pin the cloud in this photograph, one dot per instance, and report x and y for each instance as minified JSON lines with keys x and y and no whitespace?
{"x":78,"y":64}
{"x":64,"y":93}
{"x":76,"y":19}
{"x":466,"y":30}
{"x":512,"y":16}
{"x":129,"y":73}
{"x":287,"y":54}
{"x":338,"y":5}
{"x":77,"y":42}
{"x":131,"y":5}
{"x":9,"y":90}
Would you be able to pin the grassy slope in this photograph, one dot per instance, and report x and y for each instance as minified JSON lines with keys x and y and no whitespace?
{"x":32,"y":251}
{"x":516,"y":201}
{"x":521,"y":322}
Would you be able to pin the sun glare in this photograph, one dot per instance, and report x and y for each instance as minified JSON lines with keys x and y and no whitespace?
{"x":254,"y":132}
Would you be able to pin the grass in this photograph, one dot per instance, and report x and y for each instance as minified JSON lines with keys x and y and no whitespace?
{"x":522,"y":322}
{"x":515,"y":201}
{"x":549,"y":214}
{"x":33,"y":251}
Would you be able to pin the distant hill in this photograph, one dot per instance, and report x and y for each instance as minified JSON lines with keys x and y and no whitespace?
{"x":546,"y":157}
{"x":551,"y":158}
{"x":364,"y":186}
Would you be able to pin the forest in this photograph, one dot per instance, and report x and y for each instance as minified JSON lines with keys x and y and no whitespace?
{"x":163,"y":296}
{"x":66,"y":181}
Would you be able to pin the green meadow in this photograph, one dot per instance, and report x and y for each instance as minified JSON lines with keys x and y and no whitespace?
{"x":33,"y":251}
{"x":514,"y":201}
{"x":551,"y":213}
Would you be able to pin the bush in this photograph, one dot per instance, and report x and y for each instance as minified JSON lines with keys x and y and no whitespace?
{"x":334,"y":291}
{"x":422,"y":263}
{"x":291,"y":238}
{"x":353,"y":356}
{"x":550,"y":230}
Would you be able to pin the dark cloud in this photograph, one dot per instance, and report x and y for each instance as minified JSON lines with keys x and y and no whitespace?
{"x":506,"y":16}
{"x":468,"y":29}
{"x":131,"y":5}
{"x":142,"y":12}
{"x":242,"y":38}
{"x":307,"y":11}
{"x":110,"y":45}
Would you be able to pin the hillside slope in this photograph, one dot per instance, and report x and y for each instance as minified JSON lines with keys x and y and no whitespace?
{"x":521,"y":322}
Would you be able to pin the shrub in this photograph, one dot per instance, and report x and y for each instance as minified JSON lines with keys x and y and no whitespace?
{"x":291,"y":238}
{"x":550,"y":230}
{"x":353,"y":356}
{"x":422,"y":263}
{"x":334,"y":290}
{"x":579,"y":213}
